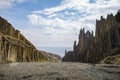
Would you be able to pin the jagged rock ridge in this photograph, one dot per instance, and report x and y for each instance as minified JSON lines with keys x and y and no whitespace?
{"x":106,"y":42}
{"x":14,"y":47}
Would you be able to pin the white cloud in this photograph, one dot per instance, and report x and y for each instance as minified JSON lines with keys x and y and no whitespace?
{"x":9,"y":3}
{"x":63,"y":22}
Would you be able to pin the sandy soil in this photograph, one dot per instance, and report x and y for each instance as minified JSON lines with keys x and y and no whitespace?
{"x":58,"y":71}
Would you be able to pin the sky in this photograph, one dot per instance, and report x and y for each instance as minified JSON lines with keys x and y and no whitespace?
{"x":55,"y":23}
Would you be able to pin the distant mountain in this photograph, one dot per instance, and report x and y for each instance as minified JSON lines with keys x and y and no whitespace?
{"x":56,"y":50}
{"x":14,"y":47}
{"x":93,"y":49}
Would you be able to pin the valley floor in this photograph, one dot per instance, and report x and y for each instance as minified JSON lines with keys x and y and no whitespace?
{"x":58,"y":71}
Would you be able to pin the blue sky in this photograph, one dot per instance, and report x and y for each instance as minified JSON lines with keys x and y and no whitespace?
{"x":55,"y":23}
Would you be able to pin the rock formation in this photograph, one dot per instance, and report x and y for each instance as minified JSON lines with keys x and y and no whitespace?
{"x":80,"y":50}
{"x":92,"y":49}
{"x":14,"y":47}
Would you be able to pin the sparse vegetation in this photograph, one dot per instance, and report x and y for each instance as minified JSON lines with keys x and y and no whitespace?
{"x":112,"y":60}
{"x":58,"y":71}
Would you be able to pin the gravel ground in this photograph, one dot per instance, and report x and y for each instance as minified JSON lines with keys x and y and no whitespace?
{"x":58,"y":71}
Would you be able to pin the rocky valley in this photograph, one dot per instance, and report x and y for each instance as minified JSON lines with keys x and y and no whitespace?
{"x":20,"y":60}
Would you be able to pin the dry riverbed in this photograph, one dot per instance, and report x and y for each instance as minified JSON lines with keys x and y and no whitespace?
{"x":58,"y":71}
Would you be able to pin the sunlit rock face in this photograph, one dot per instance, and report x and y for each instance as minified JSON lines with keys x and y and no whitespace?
{"x":106,"y":42}
{"x":14,"y":47}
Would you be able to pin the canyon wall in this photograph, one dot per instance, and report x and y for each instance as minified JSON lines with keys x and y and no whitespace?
{"x":14,"y":47}
{"x":92,"y":49}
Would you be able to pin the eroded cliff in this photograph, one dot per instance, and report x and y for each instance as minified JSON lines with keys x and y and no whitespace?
{"x":92,"y":49}
{"x":14,"y":47}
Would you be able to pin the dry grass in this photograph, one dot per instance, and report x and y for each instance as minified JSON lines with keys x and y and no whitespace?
{"x":112,"y":60}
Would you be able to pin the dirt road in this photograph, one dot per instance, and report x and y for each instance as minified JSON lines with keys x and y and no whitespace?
{"x":58,"y":71}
